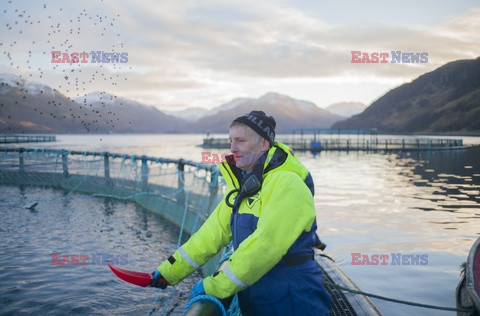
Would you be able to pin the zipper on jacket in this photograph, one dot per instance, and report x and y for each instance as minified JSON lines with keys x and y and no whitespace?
{"x":234,"y":228}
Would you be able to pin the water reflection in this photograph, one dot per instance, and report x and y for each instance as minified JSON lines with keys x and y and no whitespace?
{"x":79,"y":224}
{"x":413,"y":202}
{"x":451,"y":178}
{"x":417,"y":202}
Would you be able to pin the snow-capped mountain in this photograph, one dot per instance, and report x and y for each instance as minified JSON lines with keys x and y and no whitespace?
{"x":188,"y":114}
{"x":97,"y":98}
{"x":31,"y":87}
{"x":140,"y":117}
{"x":275,"y":98}
{"x":29,"y":107}
{"x":228,"y":106}
{"x":272,"y":98}
{"x":288,"y":112}
{"x":194,"y":114}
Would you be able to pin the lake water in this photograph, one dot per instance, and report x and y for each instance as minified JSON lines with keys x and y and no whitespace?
{"x":30,"y":282}
{"x":403,"y":205}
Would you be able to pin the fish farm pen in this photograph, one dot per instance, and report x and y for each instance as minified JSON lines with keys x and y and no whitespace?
{"x":181,"y":191}
{"x":316,"y":140}
{"x":10,"y":139}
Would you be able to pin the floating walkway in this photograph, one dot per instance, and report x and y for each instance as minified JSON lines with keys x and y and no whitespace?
{"x":305,"y":144}
{"x":11,"y":139}
{"x":316,"y":140}
{"x":179,"y":190}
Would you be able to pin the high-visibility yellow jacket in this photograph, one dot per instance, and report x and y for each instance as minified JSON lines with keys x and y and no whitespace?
{"x":277,"y":220}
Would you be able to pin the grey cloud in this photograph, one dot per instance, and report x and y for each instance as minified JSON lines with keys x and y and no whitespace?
{"x":215,"y":46}
{"x":290,"y":44}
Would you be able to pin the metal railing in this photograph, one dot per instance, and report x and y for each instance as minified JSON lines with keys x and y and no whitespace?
{"x":10,"y":139}
{"x":356,"y":144}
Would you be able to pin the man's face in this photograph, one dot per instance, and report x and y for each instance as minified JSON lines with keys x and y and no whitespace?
{"x":246,"y":146}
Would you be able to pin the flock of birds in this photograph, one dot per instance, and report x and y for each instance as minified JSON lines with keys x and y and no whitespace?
{"x":32,"y":30}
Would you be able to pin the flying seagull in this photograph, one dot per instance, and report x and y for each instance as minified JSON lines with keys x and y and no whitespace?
{"x":32,"y":207}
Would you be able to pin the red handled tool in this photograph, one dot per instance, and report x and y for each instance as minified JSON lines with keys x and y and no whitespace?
{"x":137,"y":278}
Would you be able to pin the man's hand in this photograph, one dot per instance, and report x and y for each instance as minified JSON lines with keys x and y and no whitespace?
{"x":158,"y":280}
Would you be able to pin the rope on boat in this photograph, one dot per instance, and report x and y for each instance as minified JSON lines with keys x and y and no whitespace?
{"x":182,"y":226}
{"x":207,"y":298}
{"x":454,"y":309}
{"x":152,"y":309}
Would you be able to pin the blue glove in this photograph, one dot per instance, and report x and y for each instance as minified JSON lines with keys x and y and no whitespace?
{"x":197,"y":289}
{"x":158,"y":280}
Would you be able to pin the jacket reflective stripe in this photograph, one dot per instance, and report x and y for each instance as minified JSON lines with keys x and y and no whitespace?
{"x":187,"y":258}
{"x":231,"y":180}
{"x":234,"y":278}
{"x":285,"y":204}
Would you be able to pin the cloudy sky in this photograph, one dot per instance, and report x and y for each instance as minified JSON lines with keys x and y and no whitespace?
{"x":205,"y":53}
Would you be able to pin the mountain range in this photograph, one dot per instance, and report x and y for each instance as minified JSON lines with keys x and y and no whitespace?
{"x":196,"y":113}
{"x":289,"y":114}
{"x":446,"y":100}
{"x":346,"y":109}
{"x":30,"y":107}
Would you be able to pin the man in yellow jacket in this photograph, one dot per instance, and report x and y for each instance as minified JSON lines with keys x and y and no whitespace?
{"x":269,"y":213}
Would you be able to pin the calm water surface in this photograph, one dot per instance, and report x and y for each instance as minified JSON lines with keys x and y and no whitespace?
{"x":79,"y":225}
{"x":425,"y":203}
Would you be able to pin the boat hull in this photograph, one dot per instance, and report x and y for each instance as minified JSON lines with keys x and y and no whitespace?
{"x":468,"y":289}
